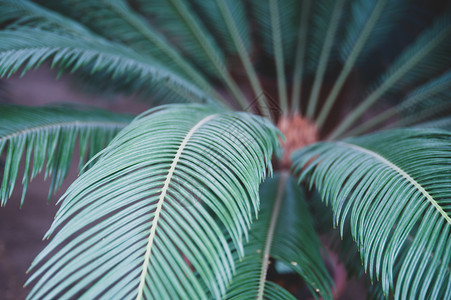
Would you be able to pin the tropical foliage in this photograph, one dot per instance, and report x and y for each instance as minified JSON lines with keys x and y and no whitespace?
{"x":181,"y":201}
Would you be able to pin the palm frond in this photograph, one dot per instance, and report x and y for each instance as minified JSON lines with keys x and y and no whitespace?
{"x":284,"y":232}
{"x":365,"y":16}
{"x":28,"y":48}
{"x":179,"y":21}
{"x":288,"y":24}
{"x":211,"y":15}
{"x":324,"y":28}
{"x":380,"y":17}
{"x":231,"y":12}
{"x":116,"y":21}
{"x":299,"y":61}
{"x":124,"y":220}
{"x":45,"y":137}
{"x":394,"y":186}
{"x":20,"y":14}
{"x":429,"y":98}
{"x":425,"y":58}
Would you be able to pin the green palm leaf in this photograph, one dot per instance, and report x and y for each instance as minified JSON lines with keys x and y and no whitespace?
{"x":179,"y":21}
{"x":287,"y":23}
{"x":426,"y":57}
{"x":429,"y":99}
{"x":47,"y":137}
{"x":141,"y":239}
{"x":118,"y":22}
{"x":29,"y":48}
{"x":212,"y":16}
{"x":284,"y":231}
{"x":395,"y":187}
{"x":19,"y":14}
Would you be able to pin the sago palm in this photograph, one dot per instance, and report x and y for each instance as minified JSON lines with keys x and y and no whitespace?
{"x":176,"y":203}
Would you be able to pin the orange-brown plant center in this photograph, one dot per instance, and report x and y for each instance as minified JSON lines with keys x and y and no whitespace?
{"x":299,"y":132}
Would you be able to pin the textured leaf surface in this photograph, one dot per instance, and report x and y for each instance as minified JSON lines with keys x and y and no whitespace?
{"x":153,"y":217}
{"x":284,"y":232}
{"x":395,"y":187}
{"x":45,"y":138}
{"x":28,"y":48}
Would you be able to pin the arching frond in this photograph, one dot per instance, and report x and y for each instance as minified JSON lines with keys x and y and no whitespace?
{"x":29,"y":48}
{"x":385,"y":13}
{"x":287,"y":24}
{"x":426,"y":57}
{"x":24,"y":13}
{"x":395,"y":187}
{"x":178,"y":20}
{"x":284,"y":232}
{"x":361,"y":32}
{"x":117,"y":21}
{"x":326,"y":28}
{"x":45,"y":138}
{"x":154,"y":216}
{"x":428,"y":100}
{"x":210,"y":13}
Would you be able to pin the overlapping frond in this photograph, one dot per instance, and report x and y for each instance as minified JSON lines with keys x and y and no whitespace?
{"x":395,"y":187}
{"x":428,"y":101}
{"x":177,"y":19}
{"x":211,"y":15}
{"x":288,"y":24}
{"x":426,"y":57}
{"x":117,"y":21}
{"x":28,"y":48}
{"x":154,"y":216}
{"x":45,"y":138}
{"x":284,"y":232}
{"x":24,"y":13}
{"x":385,"y":13}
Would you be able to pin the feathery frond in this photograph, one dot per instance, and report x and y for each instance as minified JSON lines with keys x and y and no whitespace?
{"x":385,"y":14}
{"x":284,"y":232}
{"x":29,"y":48}
{"x":326,"y":48}
{"x":364,"y":18}
{"x":429,"y":98}
{"x":24,"y":13}
{"x":211,"y":15}
{"x":395,"y":187}
{"x":152,"y":218}
{"x":179,"y":21}
{"x":116,"y":21}
{"x":426,"y":57}
{"x":288,"y":24}
{"x":46,"y":138}
{"x":299,"y":61}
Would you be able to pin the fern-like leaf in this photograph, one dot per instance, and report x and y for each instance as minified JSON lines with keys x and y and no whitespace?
{"x":284,"y":232}
{"x":426,"y":57}
{"x":153,"y":217}
{"x":28,"y":48}
{"x":211,"y":15}
{"x":429,"y":99}
{"x":395,"y":187}
{"x":45,"y":137}
{"x":117,"y":21}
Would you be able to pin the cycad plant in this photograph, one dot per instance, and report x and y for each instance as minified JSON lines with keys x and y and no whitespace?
{"x":176,"y":203}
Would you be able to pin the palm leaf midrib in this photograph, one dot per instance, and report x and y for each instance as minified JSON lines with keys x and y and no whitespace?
{"x":161,"y":202}
{"x":403,"y":174}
